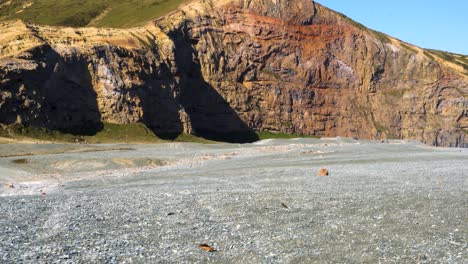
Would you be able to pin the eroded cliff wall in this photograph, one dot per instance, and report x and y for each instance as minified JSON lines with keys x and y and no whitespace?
{"x":217,"y":68}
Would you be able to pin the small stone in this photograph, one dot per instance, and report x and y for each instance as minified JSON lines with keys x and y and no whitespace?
{"x":207,"y":248}
{"x":323,"y":172}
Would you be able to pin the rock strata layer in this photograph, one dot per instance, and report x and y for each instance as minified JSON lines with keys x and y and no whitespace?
{"x":223,"y":69}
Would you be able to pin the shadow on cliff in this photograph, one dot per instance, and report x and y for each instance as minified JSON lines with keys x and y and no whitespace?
{"x":160,"y":110}
{"x":156,"y":92}
{"x":210,"y":114}
{"x":58,"y":95}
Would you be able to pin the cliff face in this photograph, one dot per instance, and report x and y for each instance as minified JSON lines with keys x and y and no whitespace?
{"x":226,"y":68}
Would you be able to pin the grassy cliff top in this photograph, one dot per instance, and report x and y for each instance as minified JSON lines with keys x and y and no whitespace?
{"x":131,"y":13}
{"x":459,"y":59}
{"x":102,"y":13}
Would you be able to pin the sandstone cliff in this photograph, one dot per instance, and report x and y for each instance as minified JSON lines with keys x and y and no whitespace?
{"x":223,"y":69}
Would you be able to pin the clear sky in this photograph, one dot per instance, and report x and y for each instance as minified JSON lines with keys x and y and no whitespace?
{"x":441,"y":24}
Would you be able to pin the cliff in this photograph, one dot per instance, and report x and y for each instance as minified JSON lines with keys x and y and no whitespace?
{"x":224,"y":69}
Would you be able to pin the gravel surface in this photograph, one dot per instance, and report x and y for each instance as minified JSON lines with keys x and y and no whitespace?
{"x":398,"y":202}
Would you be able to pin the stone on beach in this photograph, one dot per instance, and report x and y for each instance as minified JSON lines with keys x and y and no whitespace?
{"x":323,"y":172}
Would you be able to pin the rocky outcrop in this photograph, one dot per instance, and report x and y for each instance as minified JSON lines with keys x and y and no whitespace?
{"x":223,"y":69}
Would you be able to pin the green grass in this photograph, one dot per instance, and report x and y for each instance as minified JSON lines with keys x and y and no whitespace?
{"x":444,"y":55}
{"x":111,"y":133}
{"x":351,"y":21}
{"x":459,"y":59}
{"x":192,"y":138}
{"x":129,"y":13}
{"x":286,"y":124}
{"x":429,"y":55}
{"x":117,"y":13}
{"x":409,"y":48}
{"x":277,"y":135}
{"x":380,"y":36}
{"x":128,"y":133}
{"x":20,"y":132}
{"x":124,"y":133}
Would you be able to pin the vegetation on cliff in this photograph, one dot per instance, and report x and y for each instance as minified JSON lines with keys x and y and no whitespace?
{"x":223,"y":70}
{"x":102,"y":13}
{"x":120,"y":133}
{"x":459,"y":59}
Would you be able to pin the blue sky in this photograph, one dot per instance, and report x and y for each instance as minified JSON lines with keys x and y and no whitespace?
{"x":431,"y":24}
